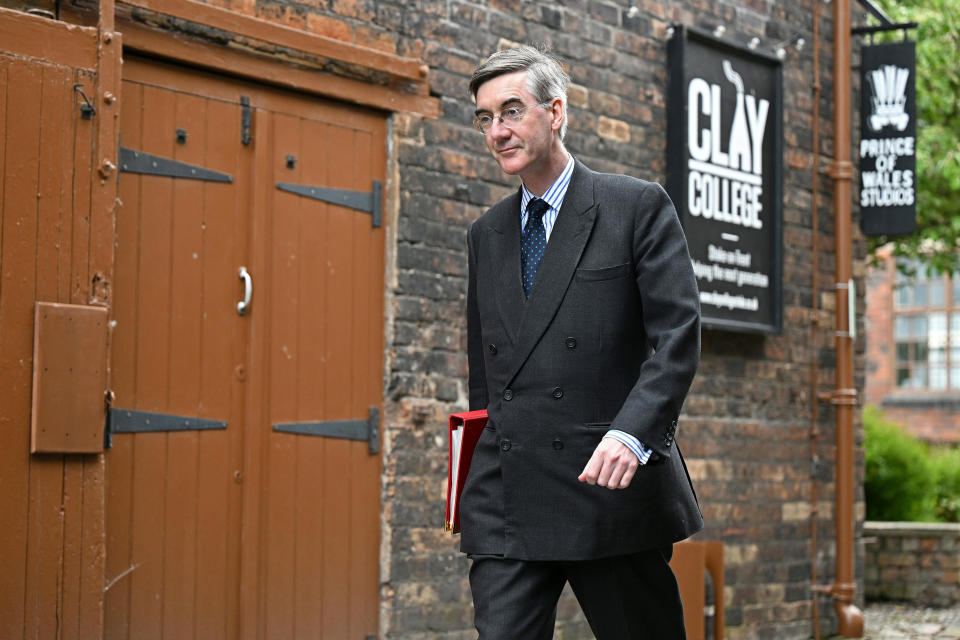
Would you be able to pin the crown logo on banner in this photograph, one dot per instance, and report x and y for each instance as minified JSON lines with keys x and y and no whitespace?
{"x":889,"y":97}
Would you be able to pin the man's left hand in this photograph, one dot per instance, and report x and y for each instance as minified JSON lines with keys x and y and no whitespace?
{"x":612,"y":465}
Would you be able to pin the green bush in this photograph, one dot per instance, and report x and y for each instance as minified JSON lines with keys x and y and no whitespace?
{"x":946,"y":467}
{"x":900,"y":479}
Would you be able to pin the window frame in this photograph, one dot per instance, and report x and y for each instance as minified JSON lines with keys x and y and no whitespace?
{"x":949,"y":305}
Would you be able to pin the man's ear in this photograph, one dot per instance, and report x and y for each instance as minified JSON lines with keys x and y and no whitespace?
{"x":556,"y":114}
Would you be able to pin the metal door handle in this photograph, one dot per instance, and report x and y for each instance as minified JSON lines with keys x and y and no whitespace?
{"x":244,"y":304}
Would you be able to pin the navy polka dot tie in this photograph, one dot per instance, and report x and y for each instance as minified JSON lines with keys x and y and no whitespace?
{"x":534,"y":242}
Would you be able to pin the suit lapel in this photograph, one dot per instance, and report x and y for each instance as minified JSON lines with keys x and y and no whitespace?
{"x":567,"y":240}
{"x":505,"y":258}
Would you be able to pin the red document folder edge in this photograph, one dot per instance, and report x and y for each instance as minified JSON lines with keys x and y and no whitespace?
{"x":465,"y":430}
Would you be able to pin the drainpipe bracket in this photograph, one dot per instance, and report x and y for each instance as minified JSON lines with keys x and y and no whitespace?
{"x":841,"y":591}
{"x":839,"y":397}
{"x":840,"y":170}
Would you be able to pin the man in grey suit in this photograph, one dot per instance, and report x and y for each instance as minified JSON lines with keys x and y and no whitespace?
{"x":583,"y":339}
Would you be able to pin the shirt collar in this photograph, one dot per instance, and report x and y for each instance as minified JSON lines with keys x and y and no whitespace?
{"x":554,"y":195}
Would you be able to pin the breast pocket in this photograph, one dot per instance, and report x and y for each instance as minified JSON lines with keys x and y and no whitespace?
{"x":604,"y":273}
{"x":610,"y":303}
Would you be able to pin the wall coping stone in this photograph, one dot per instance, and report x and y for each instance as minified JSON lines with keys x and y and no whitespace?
{"x":942,"y":529}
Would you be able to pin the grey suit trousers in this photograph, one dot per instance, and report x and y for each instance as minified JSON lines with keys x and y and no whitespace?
{"x":631,"y":597}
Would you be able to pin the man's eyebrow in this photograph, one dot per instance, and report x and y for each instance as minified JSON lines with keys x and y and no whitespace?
{"x":502,"y":105}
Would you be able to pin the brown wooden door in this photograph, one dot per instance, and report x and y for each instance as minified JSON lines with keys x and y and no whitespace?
{"x":255,"y":530}
{"x":55,"y":230}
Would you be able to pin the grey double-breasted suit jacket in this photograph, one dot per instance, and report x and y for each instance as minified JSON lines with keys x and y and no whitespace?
{"x":609,"y":336}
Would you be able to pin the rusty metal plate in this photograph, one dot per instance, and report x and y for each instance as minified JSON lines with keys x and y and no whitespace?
{"x":69,"y":378}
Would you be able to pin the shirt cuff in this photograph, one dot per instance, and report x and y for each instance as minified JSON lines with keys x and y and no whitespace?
{"x":639,"y":450}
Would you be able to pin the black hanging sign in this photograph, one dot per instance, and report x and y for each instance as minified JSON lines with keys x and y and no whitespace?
{"x":888,"y":130}
{"x":724,"y":164}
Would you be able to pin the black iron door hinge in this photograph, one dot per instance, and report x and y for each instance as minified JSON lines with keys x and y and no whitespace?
{"x":133,"y":161}
{"x":366,"y":201}
{"x":130,"y":421}
{"x":361,"y":429}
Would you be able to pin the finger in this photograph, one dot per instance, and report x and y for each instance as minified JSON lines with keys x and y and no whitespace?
{"x":591,"y":471}
{"x":607,"y":472}
{"x":628,"y":476}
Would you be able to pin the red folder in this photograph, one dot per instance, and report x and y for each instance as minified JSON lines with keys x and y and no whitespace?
{"x":465,"y":430}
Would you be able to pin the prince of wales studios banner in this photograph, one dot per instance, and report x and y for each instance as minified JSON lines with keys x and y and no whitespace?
{"x":888,"y":114}
{"x":724,"y":164}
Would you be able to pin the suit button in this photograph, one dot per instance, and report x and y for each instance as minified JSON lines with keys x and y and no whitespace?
{"x":558,"y":444}
{"x":571,"y":343}
{"x":505,"y":445}
{"x":492,"y":348}
{"x":558,"y":393}
{"x":508,"y":395}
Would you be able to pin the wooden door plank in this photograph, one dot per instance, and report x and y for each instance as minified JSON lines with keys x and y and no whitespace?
{"x":18,"y":229}
{"x":153,"y":346}
{"x":283,"y":342}
{"x":72,"y":544}
{"x":312,"y":492}
{"x":243,"y":402}
{"x":367,"y":311}
{"x":45,"y":546}
{"x":63,"y":44}
{"x":79,"y":292}
{"x":119,"y":488}
{"x":359,"y":458}
{"x":249,"y":26}
{"x":103,"y":227}
{"x":68,"y":198}
{"x":372,"y":156}
{"x":80,"y":240}
{"x":77,"y":273}
{"x":341,"y":404}
{"x":185,"y":326}
{"x":4,"y":66}
{"x":56,"y":175}
{"x":217,"y":516}
{"x":256,"y":406}
{"x":378,"y":169}
{"x":93,"y":473}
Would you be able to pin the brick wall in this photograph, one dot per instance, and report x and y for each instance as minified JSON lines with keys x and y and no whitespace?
{"x":758,"y":442}
{"x":916,"y":562}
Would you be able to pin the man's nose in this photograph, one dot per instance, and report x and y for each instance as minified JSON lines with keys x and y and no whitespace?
{"x":499,"y":130}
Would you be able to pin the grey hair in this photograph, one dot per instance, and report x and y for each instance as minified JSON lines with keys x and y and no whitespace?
{"x":546,"y":79}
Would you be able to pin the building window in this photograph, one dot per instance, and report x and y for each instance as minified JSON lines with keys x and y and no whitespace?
{"x":926,"y":330}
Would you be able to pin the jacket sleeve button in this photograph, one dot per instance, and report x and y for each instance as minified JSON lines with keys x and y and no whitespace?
{"x":558,"y":393}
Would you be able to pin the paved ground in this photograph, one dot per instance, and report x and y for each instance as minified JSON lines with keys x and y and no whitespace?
{"x":901,"y":622}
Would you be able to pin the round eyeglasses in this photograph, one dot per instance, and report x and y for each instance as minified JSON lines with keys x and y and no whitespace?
{"x":508,"y":117}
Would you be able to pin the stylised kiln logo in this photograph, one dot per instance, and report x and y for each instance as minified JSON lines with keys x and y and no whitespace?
{"x":889,"y":97}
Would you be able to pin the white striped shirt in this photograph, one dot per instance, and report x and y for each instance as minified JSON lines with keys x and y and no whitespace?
{"x":554,"y":198}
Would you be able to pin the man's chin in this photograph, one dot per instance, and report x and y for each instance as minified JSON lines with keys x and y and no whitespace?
{"x":510,"y":166}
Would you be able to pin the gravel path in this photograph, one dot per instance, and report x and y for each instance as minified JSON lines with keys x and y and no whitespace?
{"x":887,"y":621}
